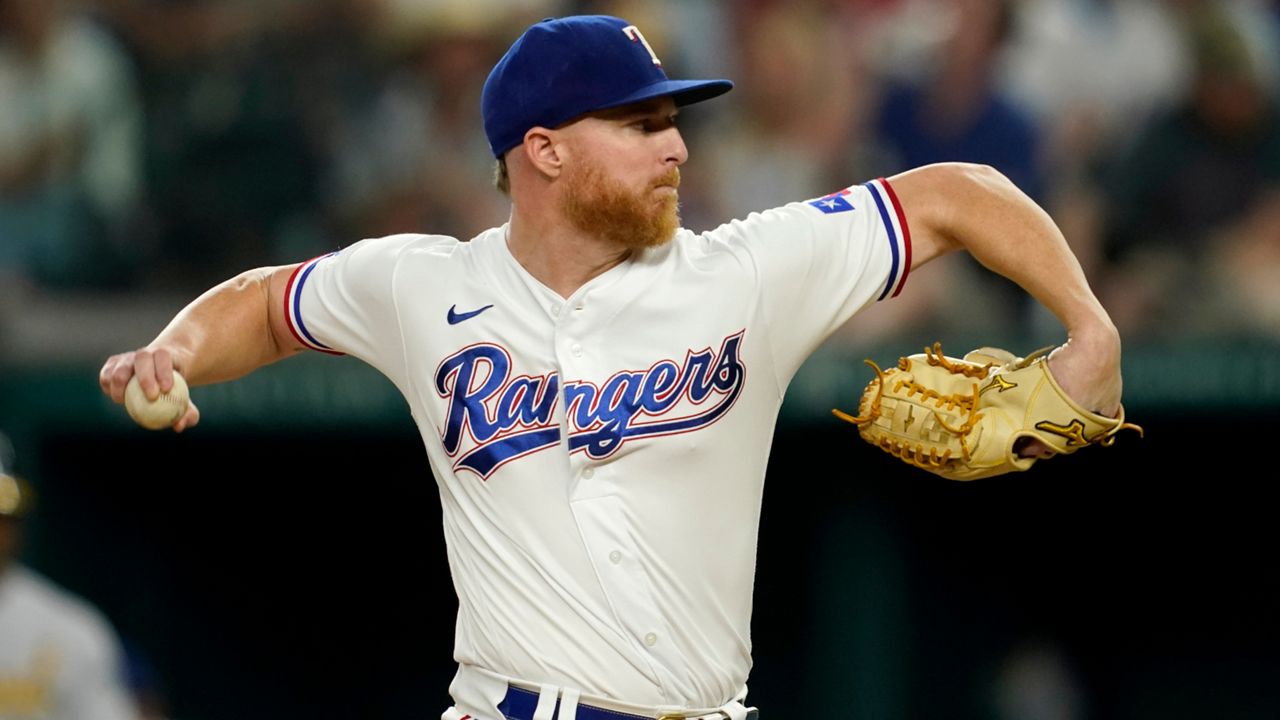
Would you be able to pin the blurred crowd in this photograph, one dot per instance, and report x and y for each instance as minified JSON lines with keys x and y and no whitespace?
{"x":164,"y":145}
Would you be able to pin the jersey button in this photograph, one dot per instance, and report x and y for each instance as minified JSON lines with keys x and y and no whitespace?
{"x":577,"y":349}
{"x":555,"y":310}
{"x":615,"y":557}
{"x":588,"y":473}
{"x":651,"y":639}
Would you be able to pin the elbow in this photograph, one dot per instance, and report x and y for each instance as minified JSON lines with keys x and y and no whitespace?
{"x":960,"y":191}
{"x":987,"y":178}
{"x":258,"y":308}
{"x":964,"y":189}
{"x":967,"y":177}
{"x":951,"y":192}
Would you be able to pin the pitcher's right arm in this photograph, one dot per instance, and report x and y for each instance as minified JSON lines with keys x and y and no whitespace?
{"x":227,"y":332}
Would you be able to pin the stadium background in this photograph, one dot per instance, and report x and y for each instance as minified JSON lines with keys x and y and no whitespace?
{"x":285,"y":560}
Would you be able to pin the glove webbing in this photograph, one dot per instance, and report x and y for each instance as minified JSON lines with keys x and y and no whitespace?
{"x":902,"y":449}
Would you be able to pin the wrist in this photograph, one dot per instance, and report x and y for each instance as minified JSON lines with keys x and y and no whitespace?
{"x":1101,"y":337}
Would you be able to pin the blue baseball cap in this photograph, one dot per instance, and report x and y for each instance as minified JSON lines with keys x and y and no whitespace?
{"x":561,"y":68}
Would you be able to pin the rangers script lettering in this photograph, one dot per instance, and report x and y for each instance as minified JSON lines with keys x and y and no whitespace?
{"x":508,"y":417}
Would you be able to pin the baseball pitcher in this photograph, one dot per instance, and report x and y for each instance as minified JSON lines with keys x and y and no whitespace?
{"x":597,"y":387}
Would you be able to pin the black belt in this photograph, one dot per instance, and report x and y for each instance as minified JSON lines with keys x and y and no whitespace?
{"x":519,"y":704}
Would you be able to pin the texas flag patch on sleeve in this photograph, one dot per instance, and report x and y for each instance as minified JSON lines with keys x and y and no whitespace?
{"x":833,"y":203}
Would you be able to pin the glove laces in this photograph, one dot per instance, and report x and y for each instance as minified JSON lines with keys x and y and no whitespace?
{"x":918,"y":455}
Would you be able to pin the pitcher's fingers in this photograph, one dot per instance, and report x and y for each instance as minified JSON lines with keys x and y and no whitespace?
{"x":190,"y":419}
{"x":144,"y":367}
{"x":104,"y":375}
{"x":1027,"y":447}
{"x":163,"y":363}
{"x":115,"y":375}
{"x":164,"y":369}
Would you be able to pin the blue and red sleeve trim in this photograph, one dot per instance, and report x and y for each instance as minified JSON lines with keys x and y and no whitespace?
{"x":898,"y":232}
{"x":293,"y":306}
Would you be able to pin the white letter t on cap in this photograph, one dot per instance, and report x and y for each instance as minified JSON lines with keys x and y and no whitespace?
{"x":633,"y":32}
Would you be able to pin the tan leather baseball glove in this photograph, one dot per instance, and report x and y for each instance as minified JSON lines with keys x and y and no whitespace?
{"x":963,"y":418}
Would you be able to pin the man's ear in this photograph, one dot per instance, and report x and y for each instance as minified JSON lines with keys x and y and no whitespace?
{"x":543,"y":152}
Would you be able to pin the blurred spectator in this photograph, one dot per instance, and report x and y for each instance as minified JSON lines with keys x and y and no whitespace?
{"x":945,"y":103}
{"x":70,"y":147}
{"x":410,"y":153}
{"x":1092,"y":72}
{"x":1192,"y":205}
{"x":956,"y":110}
{"x":59,"y":656}
{"x":765,"y":151}
{"x":230,"y":162}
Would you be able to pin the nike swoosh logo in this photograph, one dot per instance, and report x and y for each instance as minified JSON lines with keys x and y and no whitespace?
{"x":456,"y":317}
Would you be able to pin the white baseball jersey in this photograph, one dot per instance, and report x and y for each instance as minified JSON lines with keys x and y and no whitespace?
{"x":601,"y":458}
{"x":59,"y":659}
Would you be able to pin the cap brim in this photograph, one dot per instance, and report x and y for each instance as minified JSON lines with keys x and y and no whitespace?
{"x":684,"y":92}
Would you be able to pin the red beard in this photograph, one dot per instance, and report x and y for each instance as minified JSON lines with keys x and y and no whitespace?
{"x":608,"y":210}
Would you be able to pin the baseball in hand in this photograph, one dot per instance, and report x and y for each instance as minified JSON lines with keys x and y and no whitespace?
{"x":161,"y":413}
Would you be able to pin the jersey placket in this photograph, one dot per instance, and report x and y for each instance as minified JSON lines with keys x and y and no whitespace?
{"x":607,"y":534}
{"x":600,"y":512}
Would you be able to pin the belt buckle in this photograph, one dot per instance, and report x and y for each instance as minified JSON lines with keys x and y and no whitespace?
{"x":672,"y":716}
